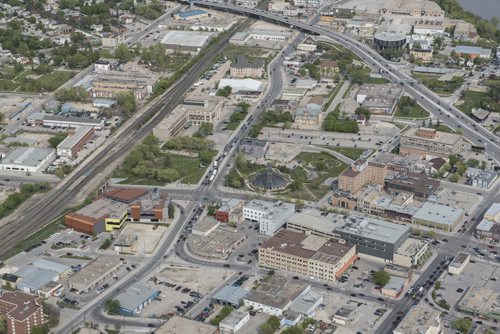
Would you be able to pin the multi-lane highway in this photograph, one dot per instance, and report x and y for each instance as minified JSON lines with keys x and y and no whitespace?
{"x":448,"y":114}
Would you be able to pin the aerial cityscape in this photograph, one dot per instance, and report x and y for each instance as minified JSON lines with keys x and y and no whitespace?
{"x":250,"y":167}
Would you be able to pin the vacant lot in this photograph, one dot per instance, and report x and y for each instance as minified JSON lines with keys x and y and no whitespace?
{"x":28,"y":81}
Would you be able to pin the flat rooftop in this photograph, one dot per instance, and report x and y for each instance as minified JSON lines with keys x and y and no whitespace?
{"x":459,"y":259}
{"x":135,"y":295}
{"x":374,"y":229}
{"x":205,"y":224}
{"x":95,"y":269}
{"x":312,"y":220}
{"x":234,"y":318}
{"x":125,"y":195}
{"x":71,"y":140}
{"x":104,"y":207}
{"x":27,"y":156}
{"x":481,"y":300}
{"x":441,"y":137}
{"x":277,"y":292}
{"x":231,"y":294}
{"x":181,"y":325}
{"x":411,"y":246}
{"x":419,"y":320}
{"x":438,"y":213}
{"x":186,"y":38}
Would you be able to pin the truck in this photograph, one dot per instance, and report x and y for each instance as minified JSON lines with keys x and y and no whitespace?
{"x":211,"y":178}
{"x":215,"y":164}
{"x":214,"y":172}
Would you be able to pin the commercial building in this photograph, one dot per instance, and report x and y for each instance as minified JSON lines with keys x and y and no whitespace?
{"x":205,"y":226}
{"x":135,"y":298}
{"x":61,"y":269}
{"x":256,"y":148}
{"x":379,"y":99}
{"x":242,"y":68}
{"x":389,"y":41}
{"x":270,"y":216}
{"x":111,"y":83}
{"x":203,"y":109}
{"x":419,"y":185}
{"x":481,"y":178}
{"x":93,"y":274}
{"x":186,"y":41}
{"x":27,"y":159}
{"x":328,"y":69}
{"x":230,"y":295}
{"x":71,"y":122}
{"x":213,"y":243}
{"x":394,"y":288}
{"x":233,"y":322}
{"x":307,"y":304}
{"x":489,"y":228}
{"x":420,"y":320}
{"x":307,"y":255}
{"x":430,"y":142}
{"x":230,"y":211}
{"x":276,"y":295}
{"x":439,"y":216}
{"x":181,"y":325}
{"x":416,"y":8}
{"x":480,"y":302}
{"x":241,"y":85}
{"x":188,"y":15}
{"x":458,"y":264}
{"x":75,"y":141}
{"x":307,"y":3}
{"x":374,"y":238}
{"x":312,"y":222}
{"x":172,"y":125}
{"x":361,"y":173}
{"x":241,"y":38}
{"x":411,"y":253}
{"x":345,"y":315}
{"x":34,"y":279}
{"x":23,"y":311}
{"x":310,"y":114}
{"x":473,"y":52}
{"x":429,"y":26}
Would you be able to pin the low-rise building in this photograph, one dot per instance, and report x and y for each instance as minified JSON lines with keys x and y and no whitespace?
{"x":205,"y":226}
{"x":410,"y":253}
{"x":394,"y":288}
{"x":489,"y":228}
{"x":111,"y":83}
{"x":22,"y":311}
{"x":420,"y":185}
{"x":242,"y":68}
{"x":75,"y":141}
{"x":439,"y":216}
{"x":112,"y":40}
{"x":379,"y":99}
{"x":270,"y":216}
{"x":230,"y":211}
{"x":182,"y":325}
{"x":307,"y":255}
{"x":172,"y":125}
{"x":430,"y":142}
{"x":420,"y":320}
{"x":27,"y":159}
{"x":241,"y":85}
{"x":480,"y":302}
{"x":345,"y":315}
{"x":481,"y":178}
{"x":426,"y":26}
{"x":473,"y":52}
{"x":230,"y":295}
{"x":465,"y":31}
{"x":56,"y":121}
{"x":458,"y":264}
{"x":256,"y":148}
{"x":310,"y":114}
{"x":94,"y":273}
{"x":186,"y":41}
{"x":421,"y":54}
{"x":328,"y":69}
{"x":233,"y":322}
{"x":416,"y":8}
{"x":188,"y":15}
{"x":206,"y":109}
{"x":33,"y":279}
{"x":135,"y":298}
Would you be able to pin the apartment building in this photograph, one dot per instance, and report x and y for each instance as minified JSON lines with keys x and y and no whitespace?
{"x":310,"y":256}
{"x":430,"y":142}
{"x":360,"y":173}
{"x":23,"y":311}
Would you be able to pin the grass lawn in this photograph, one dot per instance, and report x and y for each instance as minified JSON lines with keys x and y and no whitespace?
{"x":315,"y":189}
{"x":417,"y":112}
{"x":443,"y":128}
{"x":251,"y":52}
{"x":332,"y":95}
{"x":52,"y":81}
{"x":438,"y":86}
{"x":8,"y":85}
{"x":377,"y":81}
{"x":471,"y":100}
{"x":188,"y":168}
{"x":76,"y":257}
{"x":45,"y":83}
{"x":351,"y":152}
{"x":496,"y":129}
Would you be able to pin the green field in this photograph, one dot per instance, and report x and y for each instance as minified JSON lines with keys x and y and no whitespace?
{"x":471,"y":100}
{"x":251,"y":52}
{"x":417,"y":112}
{"x":188,"y":168}
{"x":44,"y":83}
{"x":438,"y":86}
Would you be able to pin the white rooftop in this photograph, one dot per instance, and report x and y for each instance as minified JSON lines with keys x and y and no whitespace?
{"x":186,"y":38}
{"x":438,"y":213}
{"x":241,"y":84}
{"x":27,"y":156}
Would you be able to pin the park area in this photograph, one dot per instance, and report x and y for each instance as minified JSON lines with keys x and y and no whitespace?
{"x":29,"y":81}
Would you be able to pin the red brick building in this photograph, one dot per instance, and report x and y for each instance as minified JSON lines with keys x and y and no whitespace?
{"x":23,"y":311}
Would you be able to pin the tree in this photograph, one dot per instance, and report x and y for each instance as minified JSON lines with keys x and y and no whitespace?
{"x":483,"y":165}
{"x":363,"y":111}
{"x":53,"y":314}
{"x":463,"y":325}
{"x":455,"y":177}
{"x":380,"y":277}
{"x":205,"y":130}
{"x":127,"y":101}
{"x":77,"y":94}
{"x":224,"y":91}
{"x":205,"y":156}
{"x":296,"y":185}
{"x":55,"y":140}
{"x":123,"y":53}
{"x":453,"y":159}
{"x":437,"y":285}
{"x":112,"y":306}
{"x":3,"y":324}
{"x":42,"y":329}
{"x":167,"y":174}
{"x":243,"y":106}
{"x":171,"y":211}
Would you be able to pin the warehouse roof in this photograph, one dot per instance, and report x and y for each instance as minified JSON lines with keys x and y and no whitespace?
{"x":374,"y":229}
{"x":231,"y":294}
{"x":104,"y":207}
{"x":193,"y":12}
{"x":125,"y":195}
{"x":186,"y":38}
{"x":35,"y":278}
{"x":251,"y":85}
{"x":134,"y":296}
{"x":438,"y":213}
{"x":27,"y":156}
{"x":72,"y":139}
{"x":51,"y":265}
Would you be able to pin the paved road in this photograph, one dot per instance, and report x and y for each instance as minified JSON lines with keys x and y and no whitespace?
{"x":449,"y":115}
